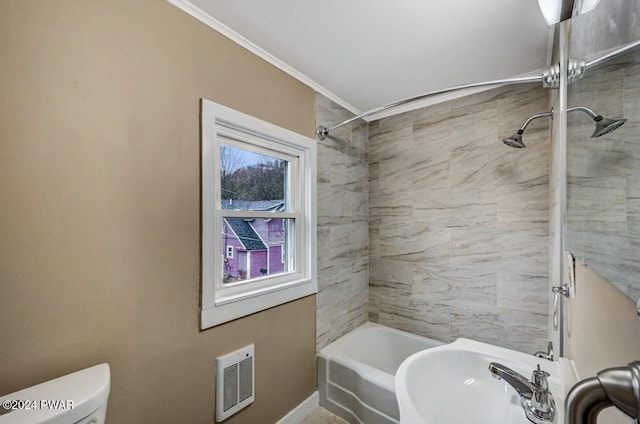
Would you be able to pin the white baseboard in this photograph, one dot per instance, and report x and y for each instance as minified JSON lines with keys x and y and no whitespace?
{"x":300,"y":412}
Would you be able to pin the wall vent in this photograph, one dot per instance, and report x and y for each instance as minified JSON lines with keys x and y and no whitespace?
{"x":235,"y":386}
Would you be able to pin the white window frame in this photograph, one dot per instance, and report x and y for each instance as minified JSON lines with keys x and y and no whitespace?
{"x":229,"y":252}
{"x":220,"y":302}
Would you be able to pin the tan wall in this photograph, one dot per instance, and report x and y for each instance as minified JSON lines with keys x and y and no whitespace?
{"x":100,"y":207}
{"x":601,"y":327}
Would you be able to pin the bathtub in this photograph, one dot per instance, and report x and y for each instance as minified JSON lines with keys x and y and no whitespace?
{"x":356,"y":372}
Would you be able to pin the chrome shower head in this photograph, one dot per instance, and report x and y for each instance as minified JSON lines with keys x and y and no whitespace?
{"x":605,"y":125}
{"x":515,"y":140}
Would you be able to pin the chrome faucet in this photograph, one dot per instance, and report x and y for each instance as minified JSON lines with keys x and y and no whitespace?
{"x":535,"y":396}
{"x":546,"y":355}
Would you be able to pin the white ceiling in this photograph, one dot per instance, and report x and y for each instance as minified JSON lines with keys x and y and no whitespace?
{"x":365,"y":53}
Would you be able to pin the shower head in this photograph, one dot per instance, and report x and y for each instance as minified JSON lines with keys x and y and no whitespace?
{"x":605,"y":126}
{"x":515,"y":140}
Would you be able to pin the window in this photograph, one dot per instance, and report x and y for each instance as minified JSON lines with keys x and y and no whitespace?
{"x":258,"y":215}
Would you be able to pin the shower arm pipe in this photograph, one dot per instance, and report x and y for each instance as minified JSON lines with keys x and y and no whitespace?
{"x":531,"y":118}
{"x":592,"y":113}
{"x":622,"y":50}
{"x":322,"y":132}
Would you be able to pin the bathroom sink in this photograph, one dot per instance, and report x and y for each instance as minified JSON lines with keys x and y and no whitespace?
{"x":452,"y":384}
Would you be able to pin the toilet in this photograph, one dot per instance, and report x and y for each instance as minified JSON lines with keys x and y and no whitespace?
{"x":77,"y":398}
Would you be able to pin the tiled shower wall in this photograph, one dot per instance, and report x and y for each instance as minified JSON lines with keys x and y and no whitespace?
{"x":343,"y":243}
{"x":458,"y":228}
{"x":603,"y":184}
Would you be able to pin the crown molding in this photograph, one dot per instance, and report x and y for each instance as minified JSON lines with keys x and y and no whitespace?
{"x":194,"y":11}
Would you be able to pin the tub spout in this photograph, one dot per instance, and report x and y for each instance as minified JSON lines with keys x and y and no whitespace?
{"x":619,"y":387}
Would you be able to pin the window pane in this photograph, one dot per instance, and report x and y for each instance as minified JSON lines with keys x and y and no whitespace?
{"x":252,"y":181}
{"x":255,"y":248}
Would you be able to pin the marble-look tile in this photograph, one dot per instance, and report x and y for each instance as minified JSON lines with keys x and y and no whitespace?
{"x":525,"y":292}
{"x":360,"y":207}
{"x":396,"y":205}
{"x":390,"y":144}
{"x":374,"y":303}
{"x":631,"y":101}
{"x":523,"y":206}
{"x":633,"y":202}
{"x":498,"y":164}
{"x":325,"y":156}
{"x":500,"y":249}
{"x":348,"y":241}
{"x":475,"y":247}
{"x":515,"y":109}
{"x":395,"y":271}
{"x":478,"y":324}
{"x":602,"y":227}
{"x":415,"y":242}
{"x":332,"y":273}
{"x":350,"y":175}
{"x":337,"y":319}
{"x":458,"y":207}
{"x":374,"y":242}
{"x":614,"y":154}
{"x":388,"y":292}
{"x":334,"y":203}
{"x":456,"y":286}
{"x":342,"y":208}
{"x":329,"y":113}
{"x":612,"y":254}
{"x":413,"y":174}
{"x":390,"y":123}
{"x":437,"y":133}
{"x":527,"y":93}
{"x":333,"y":293}
{"x":633,"y":291}
{"x":418,"y":317}
{"x":597,"y":203}
{"x":451,"y":208}
{"x":519,"y":330}
{"x":600,"y":91}
{"x":524,"y":251}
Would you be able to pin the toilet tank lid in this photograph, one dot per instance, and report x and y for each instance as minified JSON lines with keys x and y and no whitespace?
{"x":66,"y":399}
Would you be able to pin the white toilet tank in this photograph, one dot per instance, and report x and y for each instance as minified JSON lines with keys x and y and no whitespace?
{"x":77,"y":398}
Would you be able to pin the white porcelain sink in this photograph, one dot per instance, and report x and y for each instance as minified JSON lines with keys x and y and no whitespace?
{"x":452,"y":384}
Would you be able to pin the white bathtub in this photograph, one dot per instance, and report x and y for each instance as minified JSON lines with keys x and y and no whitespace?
{"x":356,"y":372}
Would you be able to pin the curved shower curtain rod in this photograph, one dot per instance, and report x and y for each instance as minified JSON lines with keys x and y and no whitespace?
{"x":624,"y":49}
{"x":550,"y":78}
{"x":322,"y":132}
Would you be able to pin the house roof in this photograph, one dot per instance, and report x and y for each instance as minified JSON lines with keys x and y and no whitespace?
{"x":253,"y":205}
{"x":246,"y":234}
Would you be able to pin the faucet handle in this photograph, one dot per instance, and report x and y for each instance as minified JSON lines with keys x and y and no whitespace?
{"x":542,"y":404}
{"x":546,"y":355}
{"x":539,"y":379}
